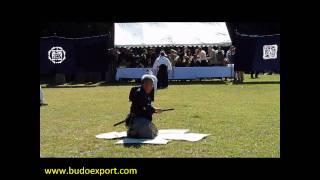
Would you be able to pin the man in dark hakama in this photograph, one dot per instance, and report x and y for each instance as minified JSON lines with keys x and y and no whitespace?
{"x":139,"y":121}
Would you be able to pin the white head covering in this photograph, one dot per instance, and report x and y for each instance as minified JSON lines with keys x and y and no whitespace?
{"x":149,"y":74}
{"x":149,"y":71}
{"x":163,"y":53}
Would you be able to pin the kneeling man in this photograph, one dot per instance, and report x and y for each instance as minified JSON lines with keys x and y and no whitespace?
{"x":139,"y":120}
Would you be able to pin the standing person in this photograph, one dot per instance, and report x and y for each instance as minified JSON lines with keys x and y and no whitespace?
{"x":130,"y":58}
{"x":151,"y":57}
{"x":161,"y":67}
{"x":230,"y":56}
{"x":269,"y":73}
{"x":42,"y":102}
{"x":255,"y":73}
{"x":143,"y":58}
{"x":212,"y":56}
{"x":113,"y":55}
{"x":136,"y":62}
{"x":139,"y":121}
{"x":202,"y":57}
{"x":179,"y":60}
{"x":122,"y":57}
{"x":181,"y":54}
{"x":240,"y":76}
{"x":220,"y":56}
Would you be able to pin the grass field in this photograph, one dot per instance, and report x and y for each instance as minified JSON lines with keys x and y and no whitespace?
{"x":243,"y":120}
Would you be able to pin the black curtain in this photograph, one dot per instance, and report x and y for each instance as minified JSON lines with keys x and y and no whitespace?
{"x":250,"y":53}
{"x":82,"y":55}
{"x":48,"y":67}
{"x":91,"y":53}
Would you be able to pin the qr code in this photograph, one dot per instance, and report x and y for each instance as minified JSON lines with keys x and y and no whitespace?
{"x":270,"y":51}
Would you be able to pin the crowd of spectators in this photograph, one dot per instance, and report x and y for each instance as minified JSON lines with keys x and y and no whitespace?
{"x":178,"y":56}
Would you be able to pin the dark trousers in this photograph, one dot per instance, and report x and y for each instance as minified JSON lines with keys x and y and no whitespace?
{"x":142,"y":128}
{"x":204,"y":63}
{"x":255,"y":73}
{"x":162,"y":76}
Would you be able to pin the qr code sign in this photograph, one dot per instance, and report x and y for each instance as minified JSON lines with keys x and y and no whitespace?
{"x":270,"y":51}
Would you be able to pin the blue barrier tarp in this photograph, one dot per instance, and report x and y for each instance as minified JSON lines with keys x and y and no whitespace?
{"x":180,"y":72}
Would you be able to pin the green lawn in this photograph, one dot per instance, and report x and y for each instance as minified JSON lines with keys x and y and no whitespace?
{"x":243,"y":120}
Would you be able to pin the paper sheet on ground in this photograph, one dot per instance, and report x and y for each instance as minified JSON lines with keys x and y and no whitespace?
{"x":164,"y":136}
{"x":116,"y":135}
{"x":186,"y":136}
{"x":112,"y":135}
{"x":173,"y":131}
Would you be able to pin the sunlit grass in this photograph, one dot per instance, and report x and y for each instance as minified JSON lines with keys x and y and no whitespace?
{"x":243,"y":120}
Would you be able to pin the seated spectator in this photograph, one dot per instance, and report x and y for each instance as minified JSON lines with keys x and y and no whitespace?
{"x":188,"y":59}
{"x":173,"y":57}
{"x":195,"y":60}
{"x":180,"y":54}
{"x":183,"y":58}
{"x":122,"y":57}
{"x":131,"y":60}
{"x":185,"y":50}
{"x":42,"y":102}
{"x":179,"y":62}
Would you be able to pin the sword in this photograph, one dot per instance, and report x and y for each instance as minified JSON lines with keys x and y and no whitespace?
{"x":170,"y":109}
{"x":116,"y":124}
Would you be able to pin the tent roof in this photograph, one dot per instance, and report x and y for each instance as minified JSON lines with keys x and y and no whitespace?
{"x":153,"y":34}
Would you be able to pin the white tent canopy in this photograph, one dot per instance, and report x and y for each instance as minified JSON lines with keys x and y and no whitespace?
{"x":171,"y":34}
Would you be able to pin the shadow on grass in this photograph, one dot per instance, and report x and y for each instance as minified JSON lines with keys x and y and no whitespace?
{"x":69,"y":85}
{"x":119,"y":83}
{"x":132,"y":145}
{"x":258,"y":82}
{"x":219,"y":82}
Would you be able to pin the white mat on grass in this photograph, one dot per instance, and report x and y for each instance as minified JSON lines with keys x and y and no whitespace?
{"x":112,"y":135}
{"x":116,"y":135}
{"x":164,"y":136}
{"x":185,"y":136}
